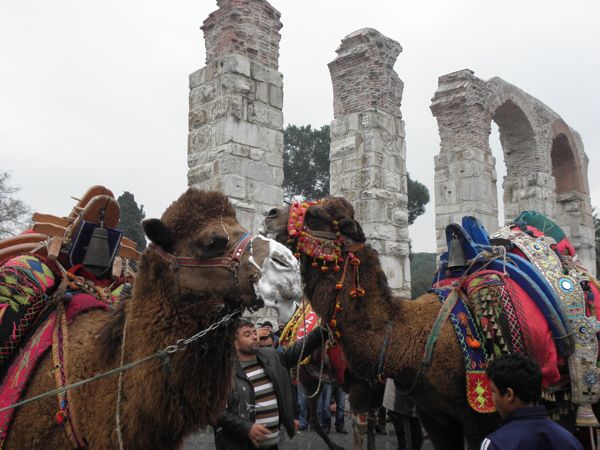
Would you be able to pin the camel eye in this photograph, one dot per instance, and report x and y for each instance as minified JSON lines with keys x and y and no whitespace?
{"x":219,"y":243}
{"x":215,"y":245}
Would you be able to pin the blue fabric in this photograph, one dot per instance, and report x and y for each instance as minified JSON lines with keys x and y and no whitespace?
{"x":529,"y":428}
{"x":303,"y":404}
{"x":323,"y":412}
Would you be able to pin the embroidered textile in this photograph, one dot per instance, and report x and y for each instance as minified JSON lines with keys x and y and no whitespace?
{"x":15,"y":382}
{"x":25,"y":282}
{"x":584,"y":374}
{"x":479,"y":393}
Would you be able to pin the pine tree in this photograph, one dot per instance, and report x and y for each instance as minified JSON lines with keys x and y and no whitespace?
{"x":131,"y":219}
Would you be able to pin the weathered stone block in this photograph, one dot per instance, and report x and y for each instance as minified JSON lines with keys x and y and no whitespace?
{"x":261,"y":93}
{"x":233,"y":63}
{"x":230,"y":130}
{"x":276,"y":96}
{"x":259,"y":112}
{"x":233,"y":185}
{"x":400,"y":217}
{"x":343,"y":148}
{"x":202,"y":94}
{"x":235,"y":84}
{"x":262,"y":73}
{"x":264,"y":193}
{"x":197,"y":78}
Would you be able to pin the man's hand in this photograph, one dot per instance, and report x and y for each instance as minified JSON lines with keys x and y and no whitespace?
{"x":262,"y":332}
{"x":258,"y":433}
{"x":296,"y":425}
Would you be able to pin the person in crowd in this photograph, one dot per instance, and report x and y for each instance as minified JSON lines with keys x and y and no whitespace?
{"x":277,"y":334}
{"x":265,"y":336}
{"x":261,"y":398}
{"x":302,"y":406}
{"x":336,"y":393}
{"x":402,"y":413}
{"x":516,"y":383}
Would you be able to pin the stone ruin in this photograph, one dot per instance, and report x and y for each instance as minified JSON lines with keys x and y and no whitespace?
{"x":546,"y":166}
{"x":235,"y":141}
{"x":368,"y":151}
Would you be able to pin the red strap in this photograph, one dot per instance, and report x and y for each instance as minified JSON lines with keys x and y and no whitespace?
{"x":223,"y":261}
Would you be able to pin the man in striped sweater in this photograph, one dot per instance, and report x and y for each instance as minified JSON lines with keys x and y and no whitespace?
{"x":261,"y":400}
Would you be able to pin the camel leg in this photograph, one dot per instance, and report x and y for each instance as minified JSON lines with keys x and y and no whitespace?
{"x":446,"y":433}
{"x":372,"y":429}
{"x":360,"y":426}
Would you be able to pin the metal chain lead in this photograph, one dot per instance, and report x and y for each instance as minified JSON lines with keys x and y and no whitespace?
{"x":179,"y":345}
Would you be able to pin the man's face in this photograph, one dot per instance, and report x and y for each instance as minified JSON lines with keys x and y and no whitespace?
{"x":503,"y":402}
{"x":246,"y":341}
{"x":266,"y":341}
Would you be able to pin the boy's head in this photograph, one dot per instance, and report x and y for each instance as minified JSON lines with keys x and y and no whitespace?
{"x":516,"y":382}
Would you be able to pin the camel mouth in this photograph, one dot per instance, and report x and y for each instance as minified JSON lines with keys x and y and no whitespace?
{"x":259,"y":303}
{"x":280,"y":283}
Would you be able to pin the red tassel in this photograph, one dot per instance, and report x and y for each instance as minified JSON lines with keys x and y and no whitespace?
{"x":60,"y":416}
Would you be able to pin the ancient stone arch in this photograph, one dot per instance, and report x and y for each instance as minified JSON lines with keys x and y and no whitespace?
{"x":545,"y":161}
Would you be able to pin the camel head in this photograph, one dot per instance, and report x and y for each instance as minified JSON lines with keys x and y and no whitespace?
{"x":318,"y":216}
{"x":319,"y":233}
{"x":210,"y":259}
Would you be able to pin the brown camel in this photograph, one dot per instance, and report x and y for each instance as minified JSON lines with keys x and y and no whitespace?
{"x":162,"y":400}
{"x":364,"y":324}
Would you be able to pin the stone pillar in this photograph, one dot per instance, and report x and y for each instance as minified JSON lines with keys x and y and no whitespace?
{"x":235,"y":141}
{"x":368,"y":151}
{"x":465,"y":174}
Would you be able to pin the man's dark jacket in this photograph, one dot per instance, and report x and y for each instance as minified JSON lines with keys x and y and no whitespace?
{"x":234,"y":423}
{"x":529,"y":428}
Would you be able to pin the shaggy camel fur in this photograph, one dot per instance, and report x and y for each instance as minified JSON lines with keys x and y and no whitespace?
{"x":439,"y":390}
{"x":162,"y":400}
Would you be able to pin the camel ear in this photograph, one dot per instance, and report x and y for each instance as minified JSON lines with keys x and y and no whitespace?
{"x":352,"y":229}
{"x":159,"y":233}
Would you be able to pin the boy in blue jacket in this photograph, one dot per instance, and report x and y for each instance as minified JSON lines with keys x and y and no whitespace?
{"x":516,"y":383}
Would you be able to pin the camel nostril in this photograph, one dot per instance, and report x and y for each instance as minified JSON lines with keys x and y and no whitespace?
{"x":281,"y":262}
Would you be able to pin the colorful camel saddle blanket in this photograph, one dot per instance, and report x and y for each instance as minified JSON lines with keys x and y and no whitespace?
{"x":23,"y":365}
{"x":302,"y":323}
{"x":29,"y":287}
{"x":526,"y":294}
{"x":479,"y":392}
{"x":27,"y":284}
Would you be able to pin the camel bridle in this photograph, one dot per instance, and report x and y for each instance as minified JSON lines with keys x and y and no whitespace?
{"x":229,"y":262}
{"x":326,"y":247}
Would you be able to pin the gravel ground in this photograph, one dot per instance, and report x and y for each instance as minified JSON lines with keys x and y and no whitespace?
{"x":305,"y":440}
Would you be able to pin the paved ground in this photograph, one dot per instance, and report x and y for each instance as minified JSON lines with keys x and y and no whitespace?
{"x":305,"y":440}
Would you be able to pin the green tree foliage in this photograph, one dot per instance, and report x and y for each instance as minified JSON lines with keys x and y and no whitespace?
{"x":418,"y":197}
{"x":306,"y":162}
{"x":15,"y":215}
{"x":422,"y":268}
{"x":131,"y":219}
{"x":306,"y":168}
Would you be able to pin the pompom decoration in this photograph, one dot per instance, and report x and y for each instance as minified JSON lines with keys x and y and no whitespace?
{"x":60,"y":416}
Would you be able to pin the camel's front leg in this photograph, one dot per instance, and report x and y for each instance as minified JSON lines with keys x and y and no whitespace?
{"x":360,"y":425}
{"x":372,"y":429}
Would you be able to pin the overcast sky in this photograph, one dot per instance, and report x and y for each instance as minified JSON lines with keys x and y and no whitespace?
{"x":97,"y":92}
